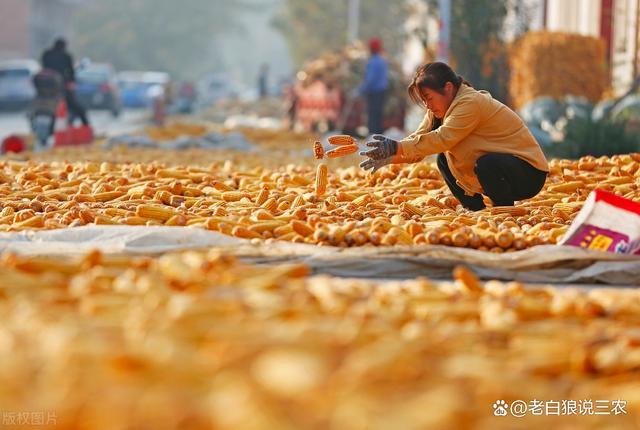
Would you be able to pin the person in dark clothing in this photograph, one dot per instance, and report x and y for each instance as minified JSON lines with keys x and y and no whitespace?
{"x":375,"y":86}
{"x":59,"y":60}
{"x":505,"y":178}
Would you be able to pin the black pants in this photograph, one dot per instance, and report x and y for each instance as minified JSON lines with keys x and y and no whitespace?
{"x":375,"y":112}
{"x":504,"y":178}
{"x":76,"y":110}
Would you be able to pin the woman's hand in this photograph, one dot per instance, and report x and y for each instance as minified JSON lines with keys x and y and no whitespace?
{"x":383,"y":148}
{"x":374,"y":165}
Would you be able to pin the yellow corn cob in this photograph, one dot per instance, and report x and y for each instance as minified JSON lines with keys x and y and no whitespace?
{"x":302,"y":228}
{"x":289,"y":237}
{"x":134,"y":220}
{"x":155,"y":212}
{"x":504,"y":239}
{"x":23,"y":215}
{"x":7,"y":211}
{"x":177,"y":220}
{"x":618,"y":181}
{"x":400,"y":236}
{"x":108,"y":195}
{"x":363,"y":200}
{"x":284,"y":205}
{"x":261,"y":227}
{"x":411,"y":210}
{"x":341,"y":140}
{"x":172,"y":173}
{"x":83,"y":198}
{"x":336,"y":235}
{"x":321,"y":235}
{"x":510,"y":210}
{"x":271,"y":204}
{"x":318,"y":151}
{"x":245,"y":233}
{"x":322,"y":179}
{"x":567,"y":187}
{"x":281,"y":231}
{"x":33,"y":222}
{"x":297,"y":202}
{"x":263,"y":195}
{"x":345,"y":197}
{"x":342,"y":151}
{"x":103,"y":220}
{"x":233,"y":196}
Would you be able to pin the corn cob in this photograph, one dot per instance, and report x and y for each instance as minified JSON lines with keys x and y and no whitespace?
{"x":411,"y":210}
{"x":567,"y":187}
{"x":466,"y":280}
{"x":270,"y":204}
{"x":155,"y":212}
{"x":33,"y":222}
{"x":342,"y":151}
{"x":176,"y":220}
{"x":504,"y":239}
{"x":245,"y":233}
{"x":108,"y":195}
{"x":341,"y":140}
{"x":134,"y":220}
{"x":510,"y":210}
{"x":322,"y":179}
{"x":233,"y":196}
{"x":264,"y":226}
{"x":318,"y":151}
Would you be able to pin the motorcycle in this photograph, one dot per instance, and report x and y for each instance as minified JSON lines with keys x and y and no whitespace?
{"x":42,"y":115}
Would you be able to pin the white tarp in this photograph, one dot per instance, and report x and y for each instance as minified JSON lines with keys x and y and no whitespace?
{"x":556,"y":264}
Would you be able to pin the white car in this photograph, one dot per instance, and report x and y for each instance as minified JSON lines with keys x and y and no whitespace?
{"x":16,"y":85}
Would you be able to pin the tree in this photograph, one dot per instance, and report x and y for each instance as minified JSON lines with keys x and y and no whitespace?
{"x":175,"y":36}
{"x":478,"y":50}
{"x":312,"y":27}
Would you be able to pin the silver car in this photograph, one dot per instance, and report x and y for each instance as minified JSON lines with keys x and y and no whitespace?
{"x":16,"y":86}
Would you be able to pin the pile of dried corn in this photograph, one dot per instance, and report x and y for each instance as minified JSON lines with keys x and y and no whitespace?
{"x":399,"y":205}
{"x":197,"y":340}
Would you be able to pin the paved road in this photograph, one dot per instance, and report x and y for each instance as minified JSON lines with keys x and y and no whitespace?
{"x":103,"y":122}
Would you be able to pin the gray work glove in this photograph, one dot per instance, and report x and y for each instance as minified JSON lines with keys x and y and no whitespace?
{"x":383,"y":147}
{"x":374,"y":165}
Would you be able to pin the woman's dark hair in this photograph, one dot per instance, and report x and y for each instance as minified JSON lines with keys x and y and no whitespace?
{"x":433,"y":76}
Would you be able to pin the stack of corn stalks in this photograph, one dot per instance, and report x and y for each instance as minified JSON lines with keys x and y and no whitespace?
{"x":557,"y":65}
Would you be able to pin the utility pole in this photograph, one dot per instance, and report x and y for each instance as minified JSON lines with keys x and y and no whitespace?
{"x":444,"y":35}
{"x":353,"y":21}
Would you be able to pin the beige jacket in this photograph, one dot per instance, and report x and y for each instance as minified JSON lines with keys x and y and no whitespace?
{"x":474,"y":125}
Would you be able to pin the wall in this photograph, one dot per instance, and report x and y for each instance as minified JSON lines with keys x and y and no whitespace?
{"x":14,"y":35}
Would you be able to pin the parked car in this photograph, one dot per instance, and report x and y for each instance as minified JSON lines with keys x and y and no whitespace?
{"x":216,"y":86}
{"x":97,"y":87}
{"x":16,"y":87}
{"x":137,"y":89}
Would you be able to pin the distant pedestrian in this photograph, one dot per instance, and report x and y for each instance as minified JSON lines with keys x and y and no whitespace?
{"x":263,"y":81}
{"x":59,"y":60}
{"x":374,"y":87}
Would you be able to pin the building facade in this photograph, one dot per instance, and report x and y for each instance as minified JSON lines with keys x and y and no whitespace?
{"x":617,"y":22}
{"x":27,"y":27}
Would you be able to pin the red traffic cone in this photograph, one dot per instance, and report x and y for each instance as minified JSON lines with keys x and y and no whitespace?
{"x":61,"y":136}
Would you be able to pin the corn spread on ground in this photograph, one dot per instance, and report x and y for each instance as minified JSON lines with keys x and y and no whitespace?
{"x":198,"y":340}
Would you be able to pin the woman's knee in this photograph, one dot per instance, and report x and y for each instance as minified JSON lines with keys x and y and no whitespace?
{"x":486,"y":163}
